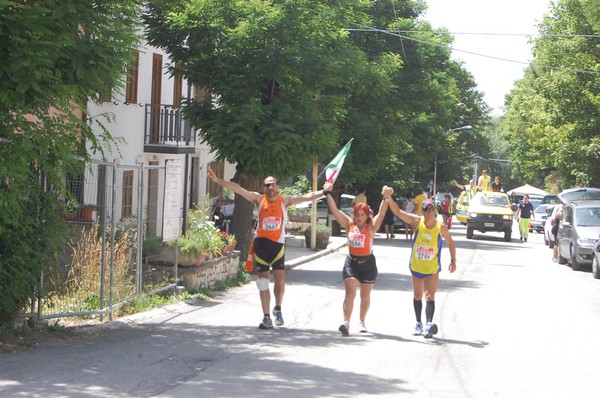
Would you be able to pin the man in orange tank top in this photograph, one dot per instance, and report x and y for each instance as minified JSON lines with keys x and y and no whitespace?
{"x":269,"y":244}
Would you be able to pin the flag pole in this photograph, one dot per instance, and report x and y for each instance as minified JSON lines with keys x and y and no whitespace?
{"x":313,"y":213}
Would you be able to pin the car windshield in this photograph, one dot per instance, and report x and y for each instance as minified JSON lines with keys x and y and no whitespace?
{"x":588,"y":217}
{"x":499,"y":201}
{"x":542,"y":209}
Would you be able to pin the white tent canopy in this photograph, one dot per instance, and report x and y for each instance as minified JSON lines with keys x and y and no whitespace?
{"x":527,"y":190}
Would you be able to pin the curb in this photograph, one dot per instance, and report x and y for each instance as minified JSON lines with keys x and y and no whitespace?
{"x":305,"y":259}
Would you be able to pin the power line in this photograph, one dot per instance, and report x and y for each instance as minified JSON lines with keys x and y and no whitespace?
{"x":531,"y":64}
{"x":492,"y":33}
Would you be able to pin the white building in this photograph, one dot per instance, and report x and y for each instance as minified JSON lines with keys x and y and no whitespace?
{"x":149,"y":130}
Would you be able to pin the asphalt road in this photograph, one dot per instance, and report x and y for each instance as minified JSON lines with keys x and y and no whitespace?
{"x":512,"y":324}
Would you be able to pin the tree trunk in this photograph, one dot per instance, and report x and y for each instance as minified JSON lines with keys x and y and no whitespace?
{"x":242,"y":222}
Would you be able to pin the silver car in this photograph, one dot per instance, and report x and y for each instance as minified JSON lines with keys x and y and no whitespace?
{"x":568,"y":195}
{"x":578,"y":233}
{"x":541,"y":214}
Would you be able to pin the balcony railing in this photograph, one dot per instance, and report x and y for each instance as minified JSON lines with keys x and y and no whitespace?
{"x":166,"y":131}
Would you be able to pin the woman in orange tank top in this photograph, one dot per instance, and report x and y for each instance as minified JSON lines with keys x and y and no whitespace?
{"x":360,"y":268}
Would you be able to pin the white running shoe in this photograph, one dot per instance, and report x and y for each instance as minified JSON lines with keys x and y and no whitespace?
{"x":418,"y":329}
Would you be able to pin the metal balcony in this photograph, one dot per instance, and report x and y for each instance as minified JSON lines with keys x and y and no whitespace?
{"x":165,"y":131}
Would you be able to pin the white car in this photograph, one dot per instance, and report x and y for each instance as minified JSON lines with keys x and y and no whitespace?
{"x":301,"y":212}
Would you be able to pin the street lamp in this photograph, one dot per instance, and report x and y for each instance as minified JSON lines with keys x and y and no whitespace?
{"x":467,"y":127}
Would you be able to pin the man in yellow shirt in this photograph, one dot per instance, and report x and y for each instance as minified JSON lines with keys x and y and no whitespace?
{"x":485,"y":182}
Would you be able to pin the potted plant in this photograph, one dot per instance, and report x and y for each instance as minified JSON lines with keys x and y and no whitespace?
{"x":72,"y":210}
{"x":231,"y":241}
{"x":323,"y":234}
{"x":87,"y":212}
{"x":202,"y":239}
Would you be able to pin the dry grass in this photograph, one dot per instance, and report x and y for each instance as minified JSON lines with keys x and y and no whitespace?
{"x":81,"y":290}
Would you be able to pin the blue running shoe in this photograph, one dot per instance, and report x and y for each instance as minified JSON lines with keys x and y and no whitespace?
{"x":430,"y":330}
{"x":278,"y":317}
{"x":266,"y":323}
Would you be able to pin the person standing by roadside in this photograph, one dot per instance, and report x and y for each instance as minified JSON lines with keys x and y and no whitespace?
{"x":484,"y":182}
{"x":425,"y":260}
{"x":419,"y":199}
{"x":555,"y":221}
{"x":388,"y":223}
{"x":524,"y":213}
{"x":269,"y":244}
{"x":360,"y":268}
{"x":409,"y":207}
{"x":446,"y":206}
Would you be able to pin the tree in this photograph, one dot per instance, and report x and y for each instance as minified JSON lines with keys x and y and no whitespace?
{"x":279,"y":75}
{"x":550,"y":121}
{"x":55,"y":56}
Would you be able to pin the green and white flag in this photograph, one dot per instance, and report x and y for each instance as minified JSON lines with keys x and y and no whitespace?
{"x":335,"y":166}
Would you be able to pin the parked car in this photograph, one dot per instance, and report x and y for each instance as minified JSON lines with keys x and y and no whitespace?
{"x":490,"y":211}
{"x":578,"y":233}
{"x":462,"y":207}
{"x":301,"y":212}
{"x":535,"y":202}
{"x":550,"y":199}
{"x":567,"y":195}
{"x":573,"y":194}
{"x":539,"y":218}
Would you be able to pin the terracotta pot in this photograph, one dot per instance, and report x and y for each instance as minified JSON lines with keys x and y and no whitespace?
{"x":201,"y":259}
{"x":87,"y":214}
{"x":71,"y":216}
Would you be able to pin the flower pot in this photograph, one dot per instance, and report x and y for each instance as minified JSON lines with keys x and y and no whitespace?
{"x":201,"y":259}
{"x":87,"y":214}
{"x":322,"y":240}
{"x":71,"y":216}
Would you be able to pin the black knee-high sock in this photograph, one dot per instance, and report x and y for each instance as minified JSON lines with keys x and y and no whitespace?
{"x":429,"y":310}
{"x":418,"y":304}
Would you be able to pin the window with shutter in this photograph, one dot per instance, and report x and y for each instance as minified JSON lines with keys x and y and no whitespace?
{"x":127,"y":194}
{"x":177,"y":86}
{"x":131,"y":85}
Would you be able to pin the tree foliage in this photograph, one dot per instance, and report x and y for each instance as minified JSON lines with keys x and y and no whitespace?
{"x":55,"y":56}
{"x":552,"y":121}
{"x":286,"y":80}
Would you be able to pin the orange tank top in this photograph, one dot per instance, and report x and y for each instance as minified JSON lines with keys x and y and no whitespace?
{"x":360,"y":243}
{"x":271,"y":219}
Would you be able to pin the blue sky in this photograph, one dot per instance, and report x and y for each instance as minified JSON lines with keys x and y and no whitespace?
{"x":494,"y":77}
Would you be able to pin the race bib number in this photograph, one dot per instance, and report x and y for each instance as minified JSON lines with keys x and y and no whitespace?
{"x":425,"y":253}
{"x":356,"y":240}
{"x":271,"y":223}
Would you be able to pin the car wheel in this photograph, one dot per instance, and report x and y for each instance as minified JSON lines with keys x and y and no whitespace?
{"x":469,"y":233}
{"x":595,"y":270}
{"x":561,"y":259}
{"x":551,"y":244}
{"x":507,"y":235}
{"x":575,"y":266}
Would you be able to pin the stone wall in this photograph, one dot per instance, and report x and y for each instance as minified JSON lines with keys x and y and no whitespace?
{"x":210,"y":272}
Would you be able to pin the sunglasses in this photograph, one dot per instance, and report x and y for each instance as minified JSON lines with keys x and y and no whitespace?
{"x":270,"y":184}
{"x":427,"y":209}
